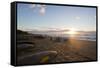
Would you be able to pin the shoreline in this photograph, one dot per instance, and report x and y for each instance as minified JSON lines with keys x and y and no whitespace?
{"x":76,"y":38}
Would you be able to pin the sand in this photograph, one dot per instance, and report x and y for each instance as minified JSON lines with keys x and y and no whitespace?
{"x":67,"y":51}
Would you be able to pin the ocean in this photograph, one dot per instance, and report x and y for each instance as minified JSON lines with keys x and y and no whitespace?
{"x":90,"y":36}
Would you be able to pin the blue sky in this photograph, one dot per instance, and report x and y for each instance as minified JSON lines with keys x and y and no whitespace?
{"x":42,"y":17}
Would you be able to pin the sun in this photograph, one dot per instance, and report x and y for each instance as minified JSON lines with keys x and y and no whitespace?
{"x":72,"y":31}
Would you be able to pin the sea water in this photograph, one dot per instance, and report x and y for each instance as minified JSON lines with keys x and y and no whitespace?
{"x":90,"y":36}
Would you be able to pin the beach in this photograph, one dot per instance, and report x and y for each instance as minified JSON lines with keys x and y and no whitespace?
{"x":68,"y":50}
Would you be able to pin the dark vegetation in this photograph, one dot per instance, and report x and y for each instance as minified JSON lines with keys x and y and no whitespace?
{"x":21,"y":32}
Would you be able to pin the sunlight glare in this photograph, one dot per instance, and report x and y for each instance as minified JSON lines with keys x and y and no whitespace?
{"x":71,"y":31}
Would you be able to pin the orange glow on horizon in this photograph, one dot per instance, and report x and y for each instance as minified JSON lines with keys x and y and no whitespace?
{"x":71,"y":31}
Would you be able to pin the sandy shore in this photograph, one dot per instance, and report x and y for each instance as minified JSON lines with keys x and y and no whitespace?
{"x":67,"y":51}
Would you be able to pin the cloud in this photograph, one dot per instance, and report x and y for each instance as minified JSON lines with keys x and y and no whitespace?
{"x":94,"y":16}
{"x":42,"y":10}
{"x":77,"y":17}
{"x":32,"y":6}
{"x":41,"y":5}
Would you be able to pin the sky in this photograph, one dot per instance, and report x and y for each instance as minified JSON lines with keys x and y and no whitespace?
{"x":50,"y":17}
